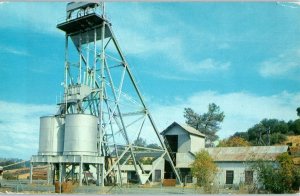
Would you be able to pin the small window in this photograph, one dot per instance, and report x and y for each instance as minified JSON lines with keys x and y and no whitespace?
{"x":157,"y":175}
{"x":248,"y":177}
{"x":189,"y":179}
{"x":229,"y":177}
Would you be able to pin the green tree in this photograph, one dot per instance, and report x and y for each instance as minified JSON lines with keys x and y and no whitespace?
{"x":287,"y":169}
{"x":207,"y":123}
{"x":298,"y":111}
{"x":268,"y":129}
{"x":233,"y":142}
{"x":204,"y":169}
{"x":140,"y":142}
{"x":153,"y":145}
{"x":243,"y":135}
{"x":277,"y":138}
{"x":295,"y":127}
{"x":279,"y":177}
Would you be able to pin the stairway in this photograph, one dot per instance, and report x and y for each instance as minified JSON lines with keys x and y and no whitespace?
{"x":172,"y":155}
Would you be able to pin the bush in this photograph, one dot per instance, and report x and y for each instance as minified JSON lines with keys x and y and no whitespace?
{"x":9,"y":176}
{"x":278,"y":177}
{"x":204,"y":169}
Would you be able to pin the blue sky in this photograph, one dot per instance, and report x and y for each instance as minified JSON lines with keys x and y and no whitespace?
{"x":243,"y":56}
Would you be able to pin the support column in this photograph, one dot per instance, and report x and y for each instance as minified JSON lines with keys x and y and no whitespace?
{"x":53,"y":173}
{"x":72,"y":172}
{"x":80,"y":172}
{"x":59,"y":178}
{"x":49,"y":173}
{"x":63,"y":172}
{"x":31,"y":171}
{"x":98,"y":174}
{"x":102,"y":175}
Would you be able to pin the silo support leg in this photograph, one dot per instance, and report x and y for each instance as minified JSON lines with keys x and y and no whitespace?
{"x":63,"y":172}
{"x":60,"y":176}
{"x":98,"y":175}
{"x":80,"y":173}
{"x":49,"y":171}
{"x":72,"y":172}
{"x":102,"y":175}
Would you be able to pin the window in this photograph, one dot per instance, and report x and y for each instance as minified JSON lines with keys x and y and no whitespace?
{"x":189,"y":179}
{"x":229,"y":176}
{"x":157,"y":175}
{"x":186,"y":175}
{"x":248,"y":177}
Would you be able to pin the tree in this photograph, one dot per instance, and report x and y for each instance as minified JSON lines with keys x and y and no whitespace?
{"x":279,"y":177}
{"x":295,"y":127}
{"x":287,"y":169}
{"x":140,"y":142}
{"x":204,"y":169}
{"x":298,"y":111}
{"x":243,"y":135}
{"x":234,"y":142}
{"x":267,"y":130}
{"x":153,"y":145}
{"x":207,"y":123}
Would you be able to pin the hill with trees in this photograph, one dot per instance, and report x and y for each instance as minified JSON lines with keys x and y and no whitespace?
{"x":270,"y":131}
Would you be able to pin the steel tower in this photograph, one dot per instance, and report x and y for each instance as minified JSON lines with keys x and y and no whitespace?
{"x":99,"y":82}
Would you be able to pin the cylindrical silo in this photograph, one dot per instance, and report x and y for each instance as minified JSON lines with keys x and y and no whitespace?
{"x":51,"y":135}
{"x":80,"y":135}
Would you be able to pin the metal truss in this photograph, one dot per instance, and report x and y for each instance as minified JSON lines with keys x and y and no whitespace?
{"x":98,"y":81}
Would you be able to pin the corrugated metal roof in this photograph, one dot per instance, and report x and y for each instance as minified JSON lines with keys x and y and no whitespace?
{"x":192,"y":130}
{"x":187,"y":128}
{"x":246,"y":153}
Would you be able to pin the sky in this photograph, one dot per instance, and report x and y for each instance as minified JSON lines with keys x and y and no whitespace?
{"x":243,"y":56}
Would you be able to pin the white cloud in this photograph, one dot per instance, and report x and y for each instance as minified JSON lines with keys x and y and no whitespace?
{"x":207,"y":65}
{"x":19,"y":123}
{"x":296,"y":2}
{"x":286,"y":64}
{"x":242,"y":110}
{"x":172,"y":76}
{"x":146,"y":37}
{"x":19,"y":128}
{"x":15,"y":51}
{"x":40,"y":17}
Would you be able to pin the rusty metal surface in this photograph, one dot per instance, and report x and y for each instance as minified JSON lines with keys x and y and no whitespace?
{"x":246,"y":153}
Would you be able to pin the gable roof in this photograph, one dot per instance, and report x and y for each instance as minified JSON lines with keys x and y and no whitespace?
{"x":186,"y":128}
{"x":231,"y":154}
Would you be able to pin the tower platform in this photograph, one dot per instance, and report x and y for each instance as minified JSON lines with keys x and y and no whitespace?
{"x":72,"y":161}
{"x":85,"y":27}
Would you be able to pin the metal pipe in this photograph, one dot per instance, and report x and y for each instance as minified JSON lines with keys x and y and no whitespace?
{"x":87,"y":60}
{"x":95,"y":57}
{"x":66,"y":72}
{"x":80,"y":59}
{"x":101,"y":89}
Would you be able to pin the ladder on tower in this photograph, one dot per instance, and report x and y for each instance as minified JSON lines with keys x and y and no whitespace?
{"x":173,"y":157}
